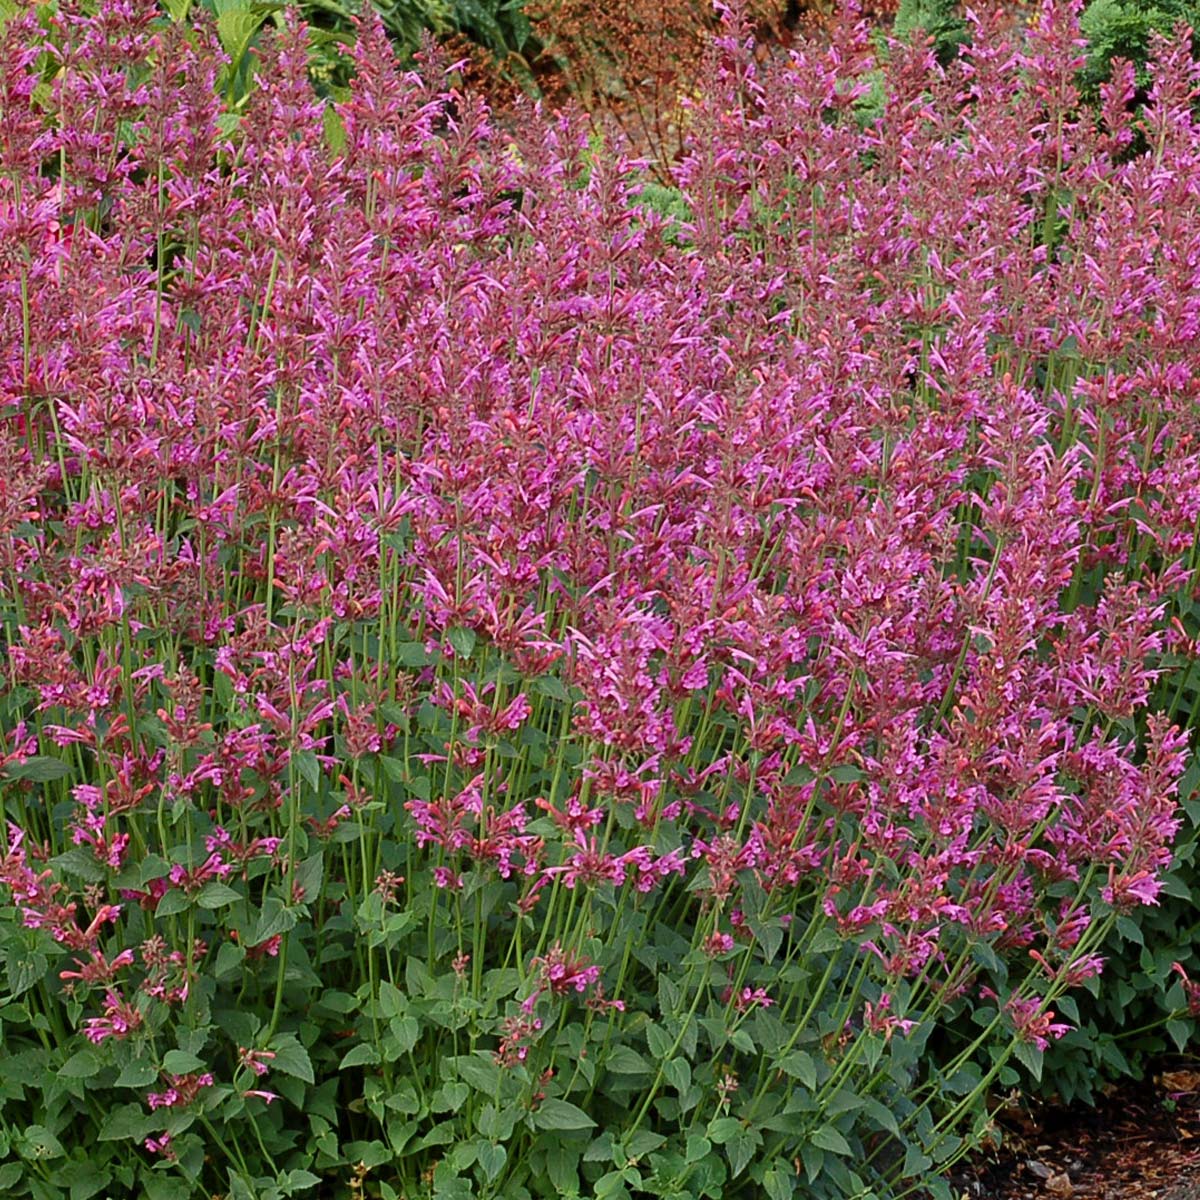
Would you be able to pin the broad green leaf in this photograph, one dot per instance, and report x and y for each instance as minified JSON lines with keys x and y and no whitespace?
{"x":179,"y":1062}
{"x":829,"y":1139}
{"x":39,"y":768}
{"x":137,"y":1074}
{"x":83,"y":1064}
{"x":292,"y":1059}
{"x":361,"y":1055}
{"x":463,"y":641}
{"x":561,"y":1114}
{"x":481,"y":1073}
{"x":216,"y":894}
{"x":800,"y":1065}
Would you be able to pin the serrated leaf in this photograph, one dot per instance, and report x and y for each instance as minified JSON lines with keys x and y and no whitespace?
{"x":411,"y":655}
{"x":216,"y":894}
{"x":180,"y":1062}
{"x":275,"y":918}
{"x":561,"y":1114}
{"x":41,"y":1143}
{"x":678,"y":1073}
{"x":81,"y":863}
{"x":300,"y":1180}
{"x":491,"y":1159}
{"x":723,"y":1129}
{"x":463,"y":640}
{"x":779,"y":1184}
{"x":552,"y":687}
{"x":392,"y":1002}
{"x":624,"y":1060}
{"x":172,"y":902}
{"x":1031,"y":1057}
{"x":800,"y":1065}
{"x":292,"y":1059}
{"x":829,"y":1139}
{"x":39,"y":768}
{"x":644,"y":1142}
{"x":309,"y":768}
{"x":24,"y":969}
{"x":658,"y":1040}
{"x":740,"y":1150}
{"x":137,"y":1074}
{"x":83,"y":1064}
{"x":128,"y":1121}
{"x":359,"y":1056}
{"x":482,"y":1074}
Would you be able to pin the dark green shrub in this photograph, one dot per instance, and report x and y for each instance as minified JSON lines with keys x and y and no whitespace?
{"x":1122,"y":29}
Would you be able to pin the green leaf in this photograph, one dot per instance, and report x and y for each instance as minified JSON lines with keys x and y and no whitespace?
{"x":292,"y":1059}
{"x":361,"y":1055}
{"x":643,"y":1142}
{"x":829,"y":1139}
{"x":494,"y":1124}
{"x":552,"y":687}
{"x":83,"y":1064}
{"x":137,"y":1074}
{"x":179,"y":1062}
{"x":562,"y":1167}
{"x":309,"y":768}
{"x":561,"y":1114}
{"x":463,"y":641}
{"x":658,"y":1040}
{"x":845,"y":773}
{"x":299,"y":1180}
{"x":779,"y":1184}
{"x":723,"y":1129}
{"x":172,"y":902}
{"x":127,"y":1121}
{"x":229,"y":959}
{"x":309,"y":874}
{"x":41,"y":1143}
{"x":481,"y":1073}
{"x":624,"y":1060}
{"x":800,"y":1065}
{"x":916,"y":1162}
{"x":39,"y":768}
{"x":80,"y":863}
{"x":741,"y":1150}
{"x":403,"y":1033}
{"x":236,"y":25}
{"x":450,"y":1096}
{"x":24,"y":968}
{"x":216,"y":895}
{"x":1180,"y":1033}
{"x":411,"y":655}
{"x":392,"y":1002}
{"x":1031,"y":1056}
{"x":678,"y":1073}
{"x":491,"y":1159}
{"x":275,"y":918}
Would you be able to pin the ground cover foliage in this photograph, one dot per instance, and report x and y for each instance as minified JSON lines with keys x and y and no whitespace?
{"x":510,"y":693}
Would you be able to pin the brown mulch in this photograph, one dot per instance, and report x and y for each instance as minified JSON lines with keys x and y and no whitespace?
{"x":1141,"y":1142}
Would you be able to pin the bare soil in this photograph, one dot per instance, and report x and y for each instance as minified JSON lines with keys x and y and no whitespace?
{"x":1141,"y":1142}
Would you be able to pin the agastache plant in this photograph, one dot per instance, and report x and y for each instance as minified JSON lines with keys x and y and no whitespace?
{"x":584,"y":701}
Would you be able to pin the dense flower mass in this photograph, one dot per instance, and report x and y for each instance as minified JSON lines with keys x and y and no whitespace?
{"x":507,"y":661}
